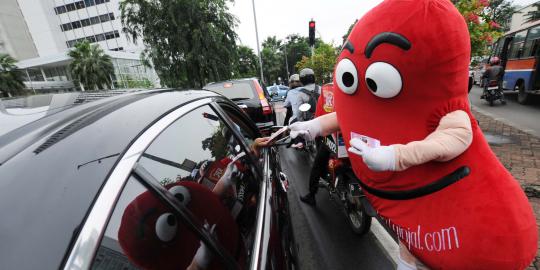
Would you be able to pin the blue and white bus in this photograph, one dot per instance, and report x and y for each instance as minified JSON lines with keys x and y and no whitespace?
{"x":519,"y":52}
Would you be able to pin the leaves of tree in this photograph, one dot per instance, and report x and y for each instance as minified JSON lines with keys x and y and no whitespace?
{"x":91,"y":67}
{"x":11,"y":83}
{"x":190,"y":42}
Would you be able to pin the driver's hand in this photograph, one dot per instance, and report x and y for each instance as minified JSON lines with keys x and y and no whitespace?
{"x":382,"y":158}
{"x":309,"y":130}
{"x":258,"y":144}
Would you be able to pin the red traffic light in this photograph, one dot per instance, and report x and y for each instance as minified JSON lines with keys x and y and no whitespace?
{"x":312,"y":24}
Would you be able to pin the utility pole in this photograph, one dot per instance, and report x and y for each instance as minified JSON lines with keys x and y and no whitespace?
{"x":257,"y":37}
{"x":286,"y":61}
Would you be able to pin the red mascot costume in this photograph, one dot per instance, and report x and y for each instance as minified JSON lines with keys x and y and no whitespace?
{"x":152,"y":238}
{"x":402,"y":71}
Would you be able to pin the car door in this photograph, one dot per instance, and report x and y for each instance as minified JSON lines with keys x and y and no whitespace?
{"x":189,"y":200}
{"x":277,"y":249}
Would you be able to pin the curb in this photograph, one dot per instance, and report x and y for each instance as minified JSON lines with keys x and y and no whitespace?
{"x":388,"y":244}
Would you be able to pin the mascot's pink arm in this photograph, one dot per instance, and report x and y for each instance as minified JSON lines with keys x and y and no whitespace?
{"x":329,"y":124}
{"x":451,"y":138}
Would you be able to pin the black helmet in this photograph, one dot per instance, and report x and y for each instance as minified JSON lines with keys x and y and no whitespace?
{"x":307,"y":76}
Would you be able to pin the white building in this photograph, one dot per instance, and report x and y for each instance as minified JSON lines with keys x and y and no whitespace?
{"x":56,"y":25}
{"x":15,"y":39}
{"x":519,"y":18}
{"x":41,"y":32}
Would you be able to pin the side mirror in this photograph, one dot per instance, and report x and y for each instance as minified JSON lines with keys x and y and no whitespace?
{"x":304,"y":107}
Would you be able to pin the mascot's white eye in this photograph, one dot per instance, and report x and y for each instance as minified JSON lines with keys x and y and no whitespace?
{"x":181,"y":193}
{"x":166,"y":226}
{"x":346,"y":76}
{"x":383,"y":80}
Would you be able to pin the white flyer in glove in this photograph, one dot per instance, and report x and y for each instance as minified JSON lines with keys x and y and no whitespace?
{"x":371,"y":142}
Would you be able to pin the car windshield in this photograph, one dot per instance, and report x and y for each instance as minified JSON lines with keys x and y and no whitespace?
{"x":233,"y":90}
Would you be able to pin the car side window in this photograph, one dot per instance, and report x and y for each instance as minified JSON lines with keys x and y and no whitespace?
{"x":146,"y":233}
{"x":200,"y":154}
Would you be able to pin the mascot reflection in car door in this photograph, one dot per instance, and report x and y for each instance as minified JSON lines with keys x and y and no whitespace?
{"x":423,"y":162}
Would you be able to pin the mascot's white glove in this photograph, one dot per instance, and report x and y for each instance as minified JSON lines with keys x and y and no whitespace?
{"x":203,"y":257}
{"x":382,"y":158}
{"x":309,"y":130}
{"x":231,"y":175}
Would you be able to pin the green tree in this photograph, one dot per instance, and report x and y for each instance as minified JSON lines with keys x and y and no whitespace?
{"x":483,"y":29}
{"x":297,"y":47}
{"x":500,"y":11}
{"x":273,"y":60}
{"x":534,"y":15}
{"x":346,"y":36}
{"x":11,"y":83}
{"x":322,"y":63}
{"x":190,"y":42}
{"x":91,"y":67}
{"x":248,"y":63}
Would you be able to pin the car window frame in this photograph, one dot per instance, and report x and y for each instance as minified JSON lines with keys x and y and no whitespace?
{"x":85,"y":246}
{"x":81,"y":253}
{"x":238,"y":136}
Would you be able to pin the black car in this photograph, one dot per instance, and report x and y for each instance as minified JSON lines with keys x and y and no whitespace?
{"x":137,"y":181}
{"x":249,"y":95}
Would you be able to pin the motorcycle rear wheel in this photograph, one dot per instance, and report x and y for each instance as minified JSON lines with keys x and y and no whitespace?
{"x":359,"y":220}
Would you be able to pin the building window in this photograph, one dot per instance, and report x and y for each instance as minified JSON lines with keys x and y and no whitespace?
{"x":76,"y":24}
{"x":87,"y":22}
{"x":78,"y":5}
{"x":70,"y":7}
{"x":104,"y":17}
{"x":96,"y":38}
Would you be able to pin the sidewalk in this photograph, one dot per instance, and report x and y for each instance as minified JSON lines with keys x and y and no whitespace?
{"x":520,"y":154}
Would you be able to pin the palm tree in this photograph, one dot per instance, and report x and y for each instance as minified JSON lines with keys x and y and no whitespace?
{"x":91,"y":67}
{"x":10,"y":78}
{"x":533,"y":15}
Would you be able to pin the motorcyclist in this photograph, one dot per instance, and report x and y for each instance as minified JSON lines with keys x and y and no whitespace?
{"x":494,"y":73}
{"x":325,"y":105}
{"x":308,"y":92}
{"x":294,"y":82}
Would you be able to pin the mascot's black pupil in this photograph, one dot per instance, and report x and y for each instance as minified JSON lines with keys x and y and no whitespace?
{"x":179,"y":196}
{"x":171,"y":220}
{"x":348,"y":79}
{"x":371,"y":84}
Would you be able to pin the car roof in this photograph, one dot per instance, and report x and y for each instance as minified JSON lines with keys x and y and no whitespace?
{"x":52,"y":169}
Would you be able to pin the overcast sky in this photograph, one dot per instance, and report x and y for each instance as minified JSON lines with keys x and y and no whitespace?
{"x":284,"y":17}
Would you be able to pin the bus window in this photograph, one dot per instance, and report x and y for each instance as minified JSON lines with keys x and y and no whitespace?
{"x":532,"y":43}
{"x":517,"y":45}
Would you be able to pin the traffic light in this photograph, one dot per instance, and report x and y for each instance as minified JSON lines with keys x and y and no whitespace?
{"x":312,"y":33}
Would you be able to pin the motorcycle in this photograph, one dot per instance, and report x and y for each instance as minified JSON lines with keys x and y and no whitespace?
{"x":303,"y":145}
{"x":492,"y":93}
{"x":343,"y":186}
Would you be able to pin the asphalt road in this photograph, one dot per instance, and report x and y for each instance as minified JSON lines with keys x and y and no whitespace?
{"x":524,"y":117}
{"x":324,"y":238}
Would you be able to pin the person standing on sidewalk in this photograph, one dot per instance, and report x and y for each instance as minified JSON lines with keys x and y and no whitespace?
{"x":325,"y":105}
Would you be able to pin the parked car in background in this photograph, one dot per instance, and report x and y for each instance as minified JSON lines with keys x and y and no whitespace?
{"x":251,"y":97}
{"x":137,"y":181}
{"x":278,"y":92}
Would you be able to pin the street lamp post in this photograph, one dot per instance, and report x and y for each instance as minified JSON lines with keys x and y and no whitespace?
{"x":286,"y":62}
{"x":257,"y":37}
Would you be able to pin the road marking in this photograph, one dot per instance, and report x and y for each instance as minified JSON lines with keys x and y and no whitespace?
{"x":387,"y":242}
